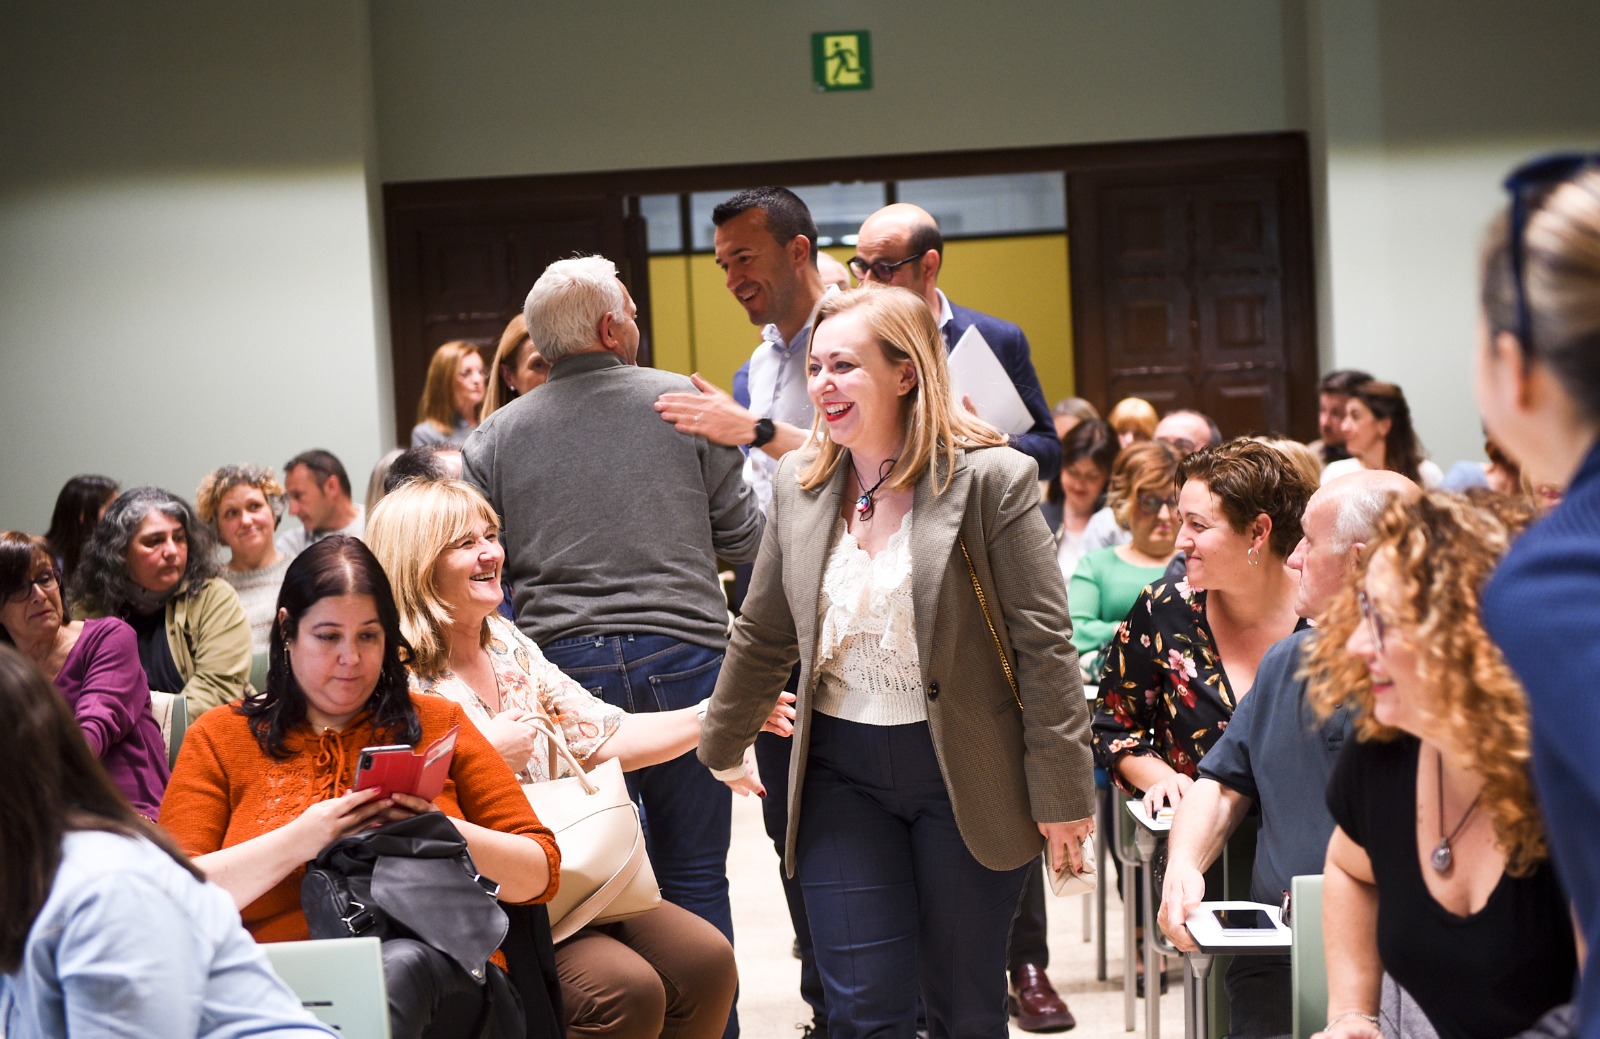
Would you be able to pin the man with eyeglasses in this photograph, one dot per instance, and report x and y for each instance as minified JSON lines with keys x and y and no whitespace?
{"x":901,"y":245}
{"x":1275,"y":754}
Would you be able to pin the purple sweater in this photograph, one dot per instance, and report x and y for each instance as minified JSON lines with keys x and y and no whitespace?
{"x":104,"y":684}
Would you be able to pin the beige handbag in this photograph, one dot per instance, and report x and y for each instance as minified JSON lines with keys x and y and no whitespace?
{"x":605,"y":872}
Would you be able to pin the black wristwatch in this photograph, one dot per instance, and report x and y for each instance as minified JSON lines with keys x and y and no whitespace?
{"x":766,"y":429}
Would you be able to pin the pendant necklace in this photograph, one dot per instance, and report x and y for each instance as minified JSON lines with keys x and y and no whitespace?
{"x":866,"y":505}
{"x":1442,"y":859}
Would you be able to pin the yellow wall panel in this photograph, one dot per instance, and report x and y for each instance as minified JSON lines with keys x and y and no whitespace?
{"x":1023,"y":280}
{"x":670,"y":322}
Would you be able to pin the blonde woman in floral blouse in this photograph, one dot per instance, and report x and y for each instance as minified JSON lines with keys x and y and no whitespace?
{"x":1189,"y":648}
{"x":666,"y":973}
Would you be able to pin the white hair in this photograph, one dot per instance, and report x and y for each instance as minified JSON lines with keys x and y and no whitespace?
{"x":565,"y":305}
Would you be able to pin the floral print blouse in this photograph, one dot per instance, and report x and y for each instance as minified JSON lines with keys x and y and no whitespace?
{"x":529,"y":682}
{"x":1162,"y":688}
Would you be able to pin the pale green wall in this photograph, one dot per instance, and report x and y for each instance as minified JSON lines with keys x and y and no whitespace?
{"x":499,"y":87}
{"x":186,"y":261}
{"x":1420,"y":109}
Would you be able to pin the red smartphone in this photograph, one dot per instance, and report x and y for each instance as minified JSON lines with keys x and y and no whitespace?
{"x":404,"y":770}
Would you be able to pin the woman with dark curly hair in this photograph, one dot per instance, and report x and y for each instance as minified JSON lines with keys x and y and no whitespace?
{"x":151,"y":562}
{"x":243,"y":504}
{"x":1437,"y":869}
{"x":262,"y":787}
{"x":79,"y":506}
{"x":1189,"y":648}
{"x":1379,"y":435}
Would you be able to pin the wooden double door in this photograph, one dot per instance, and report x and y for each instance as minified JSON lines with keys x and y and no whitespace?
{"x":1192,"y":288}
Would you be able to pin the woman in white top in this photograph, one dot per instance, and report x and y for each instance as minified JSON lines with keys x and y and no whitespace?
{"x":243,"y":504}
{"x":105,"y":927}
{"x":664,"y":973}
{"x":940,"y":737}
{"x":1379,"y":435}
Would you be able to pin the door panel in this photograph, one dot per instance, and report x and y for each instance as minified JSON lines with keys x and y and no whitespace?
{"x":1191,"y":284}
{"x":461,"y":262}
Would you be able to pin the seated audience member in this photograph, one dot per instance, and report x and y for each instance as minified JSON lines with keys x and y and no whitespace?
{"x":379,"y":474}
{"x":319,"y":497}
{"x":451,"y":395}
{"x":1134,"y":418}
{"x":1188,"y":650}
{"x":243,"y":505}
{"x":1378,"y":434}
{"x":262,"y":787}
{"x":433,"y":462}
{"x":1107,"y":581}
{"x":518,"y":367}
{"x":1087,"y":454}
{"x":666,"y":972}
{"x":94,"y":665}
{"x":1333,"y":392}
{"x":79,"y":506}
{"x":151,"y":563}
{"x":1437,"y":868}
{"x":1185,"y":429}
{"x":1298,"y":454}
{"x":1500,"y":474}
{"x":105,"y":928}
{"x":1276,"y":756}
{"x":1069,"y":411}
{"x":1538,"y":389}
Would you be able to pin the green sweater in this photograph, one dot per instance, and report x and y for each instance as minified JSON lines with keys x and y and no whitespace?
{"x":1102,"y":591}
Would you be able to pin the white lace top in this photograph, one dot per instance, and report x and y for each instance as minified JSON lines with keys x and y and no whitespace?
{"x":867,"y":667}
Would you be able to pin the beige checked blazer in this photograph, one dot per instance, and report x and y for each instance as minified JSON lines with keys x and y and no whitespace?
{"x":1005,"y":768}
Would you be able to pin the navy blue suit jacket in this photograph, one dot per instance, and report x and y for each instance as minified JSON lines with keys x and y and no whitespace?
{"x":1011,"y":347}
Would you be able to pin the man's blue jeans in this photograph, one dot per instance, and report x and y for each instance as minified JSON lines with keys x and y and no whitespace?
{"x":688,"y":814}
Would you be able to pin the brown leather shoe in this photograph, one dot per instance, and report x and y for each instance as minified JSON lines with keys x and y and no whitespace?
{"x":1035,"y":1002}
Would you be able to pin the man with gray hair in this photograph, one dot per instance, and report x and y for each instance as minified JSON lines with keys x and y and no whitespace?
{"x":1275,"y":754}
{"x":613,"y":522}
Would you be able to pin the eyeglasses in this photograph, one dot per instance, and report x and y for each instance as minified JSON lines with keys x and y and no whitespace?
{"x":44,"y":581}
{"x":1373,"y":618}
{"x":1529,"y":185}
{"x":1152,"y":503}
{"x":881,"y":270}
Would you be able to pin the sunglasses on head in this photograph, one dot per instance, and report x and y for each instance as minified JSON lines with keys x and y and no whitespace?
{"x":1529,"y":185}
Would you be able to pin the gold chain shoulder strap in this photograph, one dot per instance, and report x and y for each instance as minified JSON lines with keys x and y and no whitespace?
{"x":983,"y":604}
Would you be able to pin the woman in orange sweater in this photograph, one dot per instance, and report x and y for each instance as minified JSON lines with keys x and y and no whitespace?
{"x":262,"y":788}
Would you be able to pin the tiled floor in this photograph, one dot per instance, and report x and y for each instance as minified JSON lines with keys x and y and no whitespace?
{"x":769,"y":976}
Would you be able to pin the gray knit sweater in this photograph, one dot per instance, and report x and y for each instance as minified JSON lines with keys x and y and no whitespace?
{"x":612,"y":520}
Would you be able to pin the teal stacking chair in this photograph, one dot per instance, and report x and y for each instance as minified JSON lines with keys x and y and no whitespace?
{"x":1307,"y":958}
{"x":339,"y":980}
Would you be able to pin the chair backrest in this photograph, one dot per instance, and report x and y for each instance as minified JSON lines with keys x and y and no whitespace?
{"x":1308,"y":961}
{"x":340,"y":980}
{"x":172,"y":714}
{"x":259,"y":662}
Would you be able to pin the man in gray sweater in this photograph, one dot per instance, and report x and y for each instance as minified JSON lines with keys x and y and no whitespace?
{"x":613,"y":522}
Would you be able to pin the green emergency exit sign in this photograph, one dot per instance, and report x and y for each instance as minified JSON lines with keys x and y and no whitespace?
{"x":841,"y":60}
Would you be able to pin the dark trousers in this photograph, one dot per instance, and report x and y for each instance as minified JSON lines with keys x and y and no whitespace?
{"x":1029,"y":931}
{"x":688,"y":814}
{"x":897,"y":903}
{"x":431,"y":997}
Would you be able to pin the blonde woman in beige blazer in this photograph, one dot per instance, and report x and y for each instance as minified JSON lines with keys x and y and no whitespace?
{"x":923,"y":784}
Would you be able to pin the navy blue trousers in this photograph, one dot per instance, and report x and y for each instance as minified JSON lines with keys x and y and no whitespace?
{"x":897,"y":903}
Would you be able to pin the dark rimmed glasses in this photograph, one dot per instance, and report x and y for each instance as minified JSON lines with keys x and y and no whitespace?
{"x":1373,"y":618}
{"x":881,"y":270}
{"x":1151,"y":503}
{"x":1529,"y":185}
{"x":44,"y":581}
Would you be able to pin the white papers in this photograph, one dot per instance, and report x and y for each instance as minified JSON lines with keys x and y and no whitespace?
{"x":976,"y":373}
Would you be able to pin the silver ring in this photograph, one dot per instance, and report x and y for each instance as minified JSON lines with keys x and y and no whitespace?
{"x":697,"y":417}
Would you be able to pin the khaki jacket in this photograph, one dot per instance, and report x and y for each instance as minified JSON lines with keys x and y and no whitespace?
{"x":1004,"y":768}
{"x":210,"y":639}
